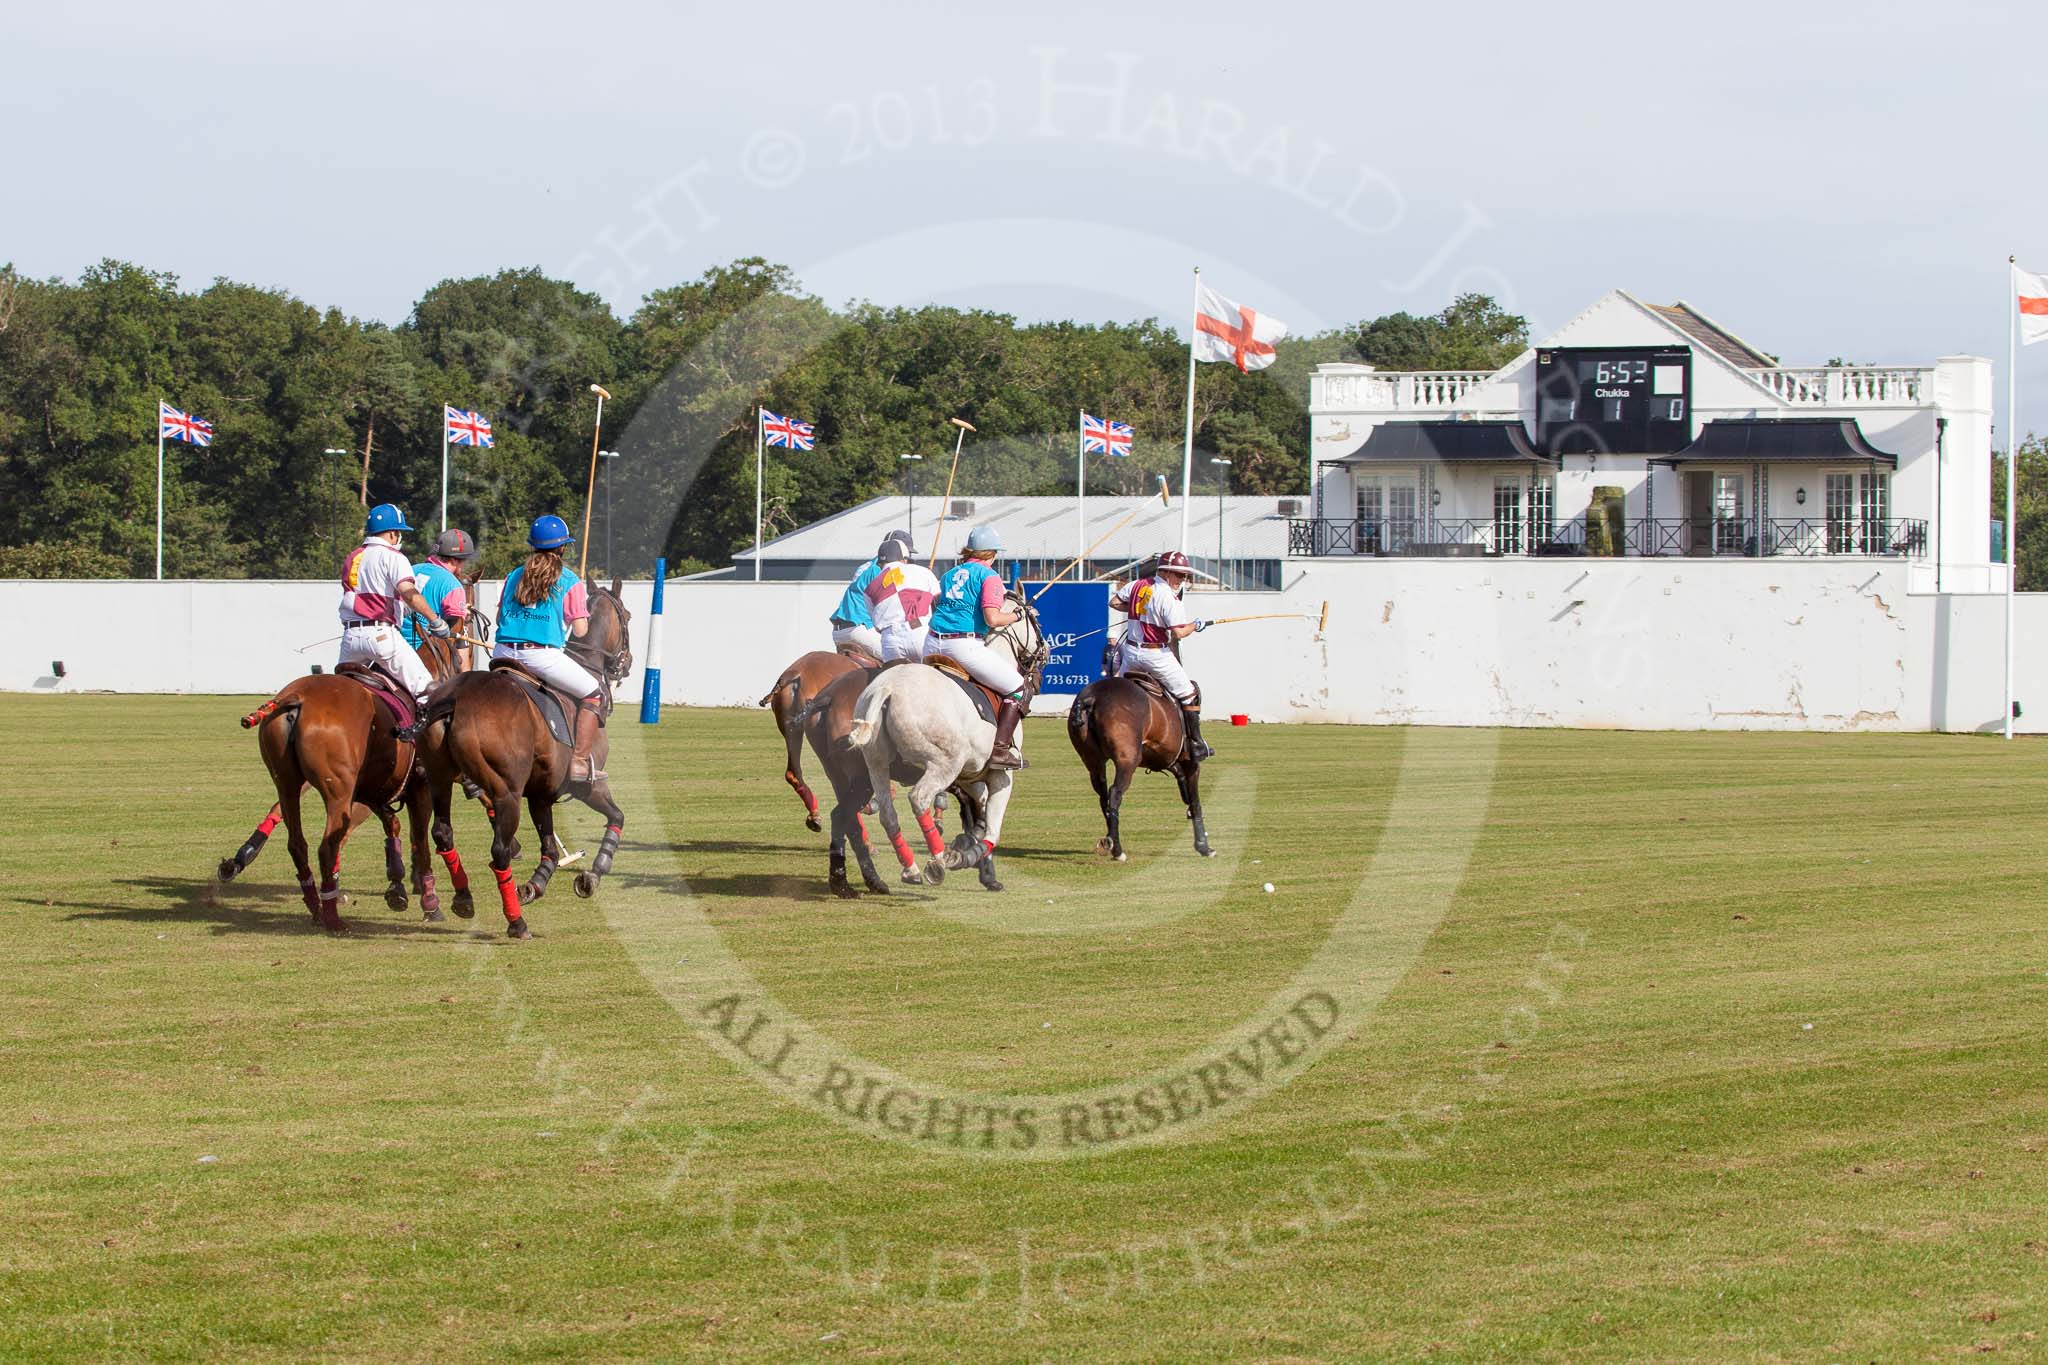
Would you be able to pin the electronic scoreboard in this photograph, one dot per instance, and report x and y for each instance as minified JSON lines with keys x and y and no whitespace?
{"x":1633,"y":399}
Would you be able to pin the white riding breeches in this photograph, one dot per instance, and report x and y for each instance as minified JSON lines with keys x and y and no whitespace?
{"x":383,"y":644}
{"x":552,"y":666}
{"x":1161,"y":664}
{"x":983,"y":664}
{"x":860,"y":637}
{"x":902,"y":641}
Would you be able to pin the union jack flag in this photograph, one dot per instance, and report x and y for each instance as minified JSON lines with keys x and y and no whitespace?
{"x":183,"y":426}
{"x":1104,"y":438}
{"x":787,"y":431}
{"x":466,"y":428}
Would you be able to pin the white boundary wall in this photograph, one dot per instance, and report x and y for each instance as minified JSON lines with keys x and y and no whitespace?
{"x":1669,"y":644}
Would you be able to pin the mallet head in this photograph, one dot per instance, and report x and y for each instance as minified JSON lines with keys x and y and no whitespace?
{"x":600,"y":390}
{"x":958,"y":423}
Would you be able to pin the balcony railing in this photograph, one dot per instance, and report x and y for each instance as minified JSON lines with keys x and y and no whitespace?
{"x":1849,"y":386}
{"x":1752,"y":537}
{"x":1396,"y":391}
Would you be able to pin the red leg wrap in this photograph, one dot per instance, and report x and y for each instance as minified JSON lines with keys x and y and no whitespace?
{"x":930,"y":827}
{"x":269,"y":823}
{"x":903,"y":853}
{"x":508,"y":893}
{"x":455,"y":872}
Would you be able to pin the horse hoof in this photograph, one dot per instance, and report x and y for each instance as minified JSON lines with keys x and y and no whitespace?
{"x":529,"y":893}
{"x":989,"y":882}
{"x":1104,"y":847}
{"x":464,"y":905}
{"x":586,"y":885}
{"x":1205,"y":850}
{"x":394,"y":898}
{"x":876,"y":885}
{"x":1122,"y":857}
{"x":432,"y":915}
{"x":811,"y":824}
{"x":844,"y":891}
{"x":934,"y":871}
{"x":912,"y":877}
{"x":517,"y":928}
{"x":227,"y":869}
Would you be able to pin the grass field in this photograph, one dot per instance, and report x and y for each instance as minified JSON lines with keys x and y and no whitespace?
{"x":1723,"y":1046}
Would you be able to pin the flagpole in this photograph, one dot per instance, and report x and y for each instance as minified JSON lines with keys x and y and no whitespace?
{"x":2012,"y":460}
{"x":1187,"y":447}
{"x":759,"y":458}
{"x":159,"y":490}
{"x":444,"y":466}
{"x":1080,"y":485}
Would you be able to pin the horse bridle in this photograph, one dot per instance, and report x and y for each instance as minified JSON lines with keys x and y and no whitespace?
{"x":618,"y":664}
{"x":1030,"y":661}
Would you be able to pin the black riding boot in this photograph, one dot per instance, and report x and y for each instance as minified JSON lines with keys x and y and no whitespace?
{"x":1004,"y":752}
{"x":1191,"y":718}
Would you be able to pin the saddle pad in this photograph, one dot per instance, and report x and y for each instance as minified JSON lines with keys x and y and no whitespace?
{"x":542,"y":696}
{"x":382,"y":685}
{"x":976,"y":693}
{"x":1147,"y":682}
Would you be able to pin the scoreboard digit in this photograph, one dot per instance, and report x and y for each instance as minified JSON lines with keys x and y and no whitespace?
{"x":1634,"y":400}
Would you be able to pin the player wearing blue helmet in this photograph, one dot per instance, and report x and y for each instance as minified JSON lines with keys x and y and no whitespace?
{"x":543,"y":605}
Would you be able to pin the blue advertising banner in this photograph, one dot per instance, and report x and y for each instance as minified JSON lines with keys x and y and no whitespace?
{"x":1075,"y":619}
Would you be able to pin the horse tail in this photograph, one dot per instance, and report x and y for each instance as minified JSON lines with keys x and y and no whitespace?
{"x":793,"y":684}
{"x":1081,"y":714}
{"x":863,"y":730}
{"x":284,"y":703}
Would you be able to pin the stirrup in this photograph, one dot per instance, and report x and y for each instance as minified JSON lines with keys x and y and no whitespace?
{"x":1016,"y":761}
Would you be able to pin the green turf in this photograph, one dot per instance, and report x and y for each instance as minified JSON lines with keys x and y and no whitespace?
{"x":1588,"y":1119}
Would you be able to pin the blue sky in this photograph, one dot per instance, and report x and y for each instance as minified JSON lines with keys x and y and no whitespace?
{"x":1827,"y":180}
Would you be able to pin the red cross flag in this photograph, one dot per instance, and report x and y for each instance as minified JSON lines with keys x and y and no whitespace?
{"x":2033,"y":292}
{"x":1232,"y":332}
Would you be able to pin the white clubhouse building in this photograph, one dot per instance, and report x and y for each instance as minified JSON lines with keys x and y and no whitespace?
{"x":1691,"y":441}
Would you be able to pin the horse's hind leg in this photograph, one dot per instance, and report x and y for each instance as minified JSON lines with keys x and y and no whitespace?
{"x":504,"y":847}
{"x":419,"y":814}
{"x":394,"y":862}
{"x":793,"y":762}
{"x":1113,"y":805}
{"x":864,"y":854}
{"x":835,"y":858}
{"x":339,"y":817}
{"x":1188,"y":773}
{"x":230,"y":868}
{"x":295,"y":844}
{"x":464,"y":904}
{"x":922,"y":793}
{"x":542,"y":809}
{"x":599,"y":799}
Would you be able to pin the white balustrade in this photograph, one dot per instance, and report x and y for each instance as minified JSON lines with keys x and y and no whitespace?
{"x":1417,"y":390}
{"x":1849,"y":386}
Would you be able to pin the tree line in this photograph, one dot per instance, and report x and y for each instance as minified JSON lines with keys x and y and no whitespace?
{"x":84,"y":363}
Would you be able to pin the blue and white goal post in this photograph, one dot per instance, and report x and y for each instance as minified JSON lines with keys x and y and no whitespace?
{"x":650,"y":680}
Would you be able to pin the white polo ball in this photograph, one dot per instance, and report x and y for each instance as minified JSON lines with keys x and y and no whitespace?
{"x":1269,"y":888}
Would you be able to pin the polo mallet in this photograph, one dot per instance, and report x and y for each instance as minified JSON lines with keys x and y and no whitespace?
{"x":1321,"y":618}
{"x":947,"y":501}
{"x":590,"y":490}
{"x":1165,"y":500}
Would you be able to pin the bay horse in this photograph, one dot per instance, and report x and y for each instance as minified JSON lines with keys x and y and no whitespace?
{"x":794,"y":690}
{"x":915,"y":725}
{"x":443,"y":661}
{"x":485,"y":727}
{"x":1130,"y":724}
{"x":329,"y":732}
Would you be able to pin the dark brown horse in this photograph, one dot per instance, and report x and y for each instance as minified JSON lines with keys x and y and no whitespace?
{"x":799,"y":684}
{"x":328,"y":732}
{"x":1130,"y":725}
{"x":485,"y":727}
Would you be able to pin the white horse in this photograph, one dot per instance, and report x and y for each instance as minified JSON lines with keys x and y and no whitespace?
{"x":916,"y":725}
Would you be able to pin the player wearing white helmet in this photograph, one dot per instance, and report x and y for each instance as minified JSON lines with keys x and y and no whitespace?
{"x":1158,"y":617}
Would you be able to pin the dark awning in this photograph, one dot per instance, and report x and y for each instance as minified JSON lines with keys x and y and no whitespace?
{"x":1459,"y":442}
{"x":1804,"y":440}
